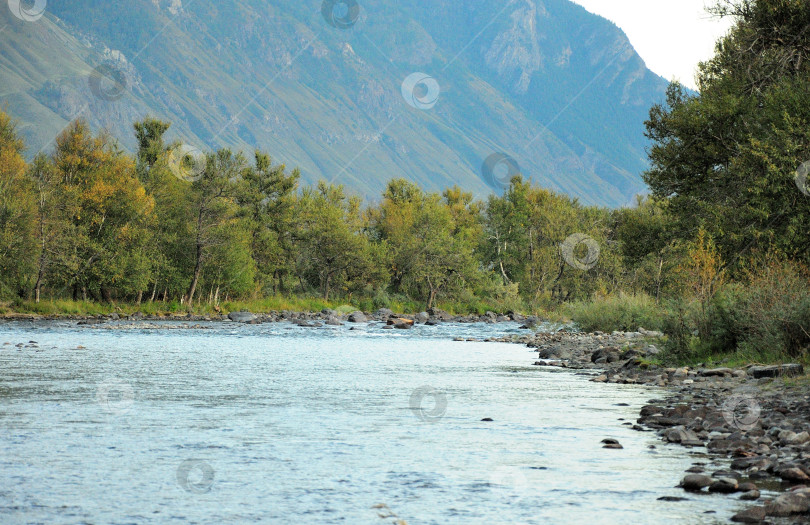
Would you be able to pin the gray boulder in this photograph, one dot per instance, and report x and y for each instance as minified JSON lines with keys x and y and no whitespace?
{"x":357,"y":317}
{"x":241,"y":317}
{"x":421,"y":317}
{"x":792,"y":369}
{"x":696,"y":481}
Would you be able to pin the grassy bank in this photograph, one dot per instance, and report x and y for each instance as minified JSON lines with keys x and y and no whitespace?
{"x":765,"y":322}
{"x":65,"y":307}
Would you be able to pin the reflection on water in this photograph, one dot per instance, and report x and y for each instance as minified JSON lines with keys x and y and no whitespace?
{"x":282,"y":424}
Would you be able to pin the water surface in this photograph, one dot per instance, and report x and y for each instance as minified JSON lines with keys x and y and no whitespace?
{"x":280,"y":424}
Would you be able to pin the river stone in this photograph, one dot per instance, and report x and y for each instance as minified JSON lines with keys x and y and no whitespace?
{"x":724,"y":486}
{"x":787,"y":505}
{"x":750,"y":495}
{"x":799,"y":439}
{"x":750,"y":515}
{"x":793,"y":474}
{"x":696,"y":482}
{"x":421,"y":317}
{"x":792,"y":369}
{"x":716,"y":372}
{"x":383,"y":314}
{"x":357,"y":317}
{"x":241,"y":317}
{"x":440,"y":315}
{"x":605,"y":355}
{"x":682,"y":435}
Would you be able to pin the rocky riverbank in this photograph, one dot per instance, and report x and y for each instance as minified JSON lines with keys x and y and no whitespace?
{"x":751,"y":416}
{"x":432,"y":316}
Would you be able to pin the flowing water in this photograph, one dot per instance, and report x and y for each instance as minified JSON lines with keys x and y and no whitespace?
{"x":280,"y":424}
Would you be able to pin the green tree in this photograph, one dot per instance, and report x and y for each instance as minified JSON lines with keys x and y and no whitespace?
{"x":334,"y":251}
{"x":267,"y":200}
{"x":18,"y":246}
{"x":109,"y":212}
{"x":727,"y":158}
{"x":213,"y":203}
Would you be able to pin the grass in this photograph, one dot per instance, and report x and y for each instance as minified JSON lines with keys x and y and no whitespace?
{"x":619,"y":312}
{"x":57,"y":307}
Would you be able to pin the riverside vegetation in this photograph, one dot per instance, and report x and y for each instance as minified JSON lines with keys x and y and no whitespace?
{"x":715,"y":257}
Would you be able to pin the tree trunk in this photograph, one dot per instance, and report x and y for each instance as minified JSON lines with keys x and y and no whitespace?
{"x":196,"y":278}
{"x":140,"y":297}
{"x":41,"y":269}
{"x":326,"y":287}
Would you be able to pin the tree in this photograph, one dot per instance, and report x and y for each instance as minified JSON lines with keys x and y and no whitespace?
{"x":335,"y":252}
{"x":430,"y":254}
{"x":18,"y":247}
{"x":215,"y":212}
{"x":727,"y":158}
{"x":267,"y":199}
{"x":109,"y":210}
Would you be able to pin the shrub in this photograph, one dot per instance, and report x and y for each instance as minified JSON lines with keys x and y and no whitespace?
{"x":617,"y":312}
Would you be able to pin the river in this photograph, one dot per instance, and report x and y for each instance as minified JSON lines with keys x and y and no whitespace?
{"x":274,"y":423}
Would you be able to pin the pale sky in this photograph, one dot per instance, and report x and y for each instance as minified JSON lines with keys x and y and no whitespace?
{"x":672,"y":36}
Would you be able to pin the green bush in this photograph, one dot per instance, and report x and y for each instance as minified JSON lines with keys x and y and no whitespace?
{"x":617,"y":312}
{"x":766,"y":318}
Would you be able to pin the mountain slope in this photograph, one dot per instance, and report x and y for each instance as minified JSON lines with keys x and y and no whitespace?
{"x":558,"y":89}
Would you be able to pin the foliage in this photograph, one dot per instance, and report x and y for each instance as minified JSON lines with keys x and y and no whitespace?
{"x":618,"y":312}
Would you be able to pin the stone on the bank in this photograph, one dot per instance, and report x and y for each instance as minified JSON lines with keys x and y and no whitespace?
{"x":750,"y":515}
{"x":793,"y":474}
{"x":605,"y":355}
{"x":792,"y":369}
{"x":421,"y":317}
{"x":696,"y":482}
{"x":441,"y":315}
{"x":716,"y":372}
{"x":799,"y":439}
{"x":241,"y":317}
{"x":357,"y":317}
{"x":681,"y":434}
{"x":788,"y":505}
{"x":383,"y":314}
{"x":724,"y":485}
{"x":600,"y":379}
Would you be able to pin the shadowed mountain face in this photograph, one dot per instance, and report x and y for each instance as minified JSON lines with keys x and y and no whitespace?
{"x":356,"y":94}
